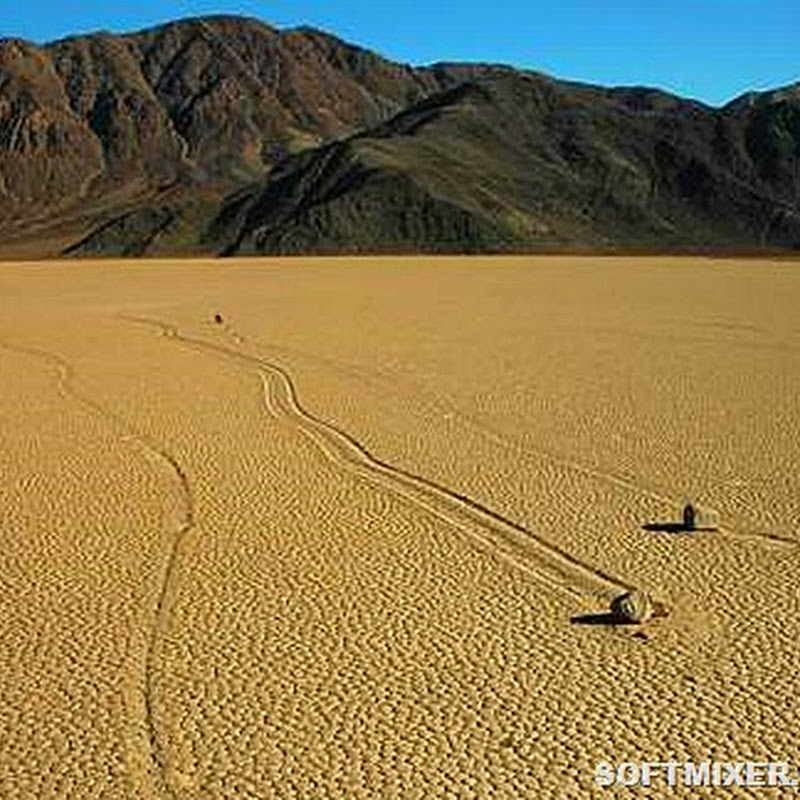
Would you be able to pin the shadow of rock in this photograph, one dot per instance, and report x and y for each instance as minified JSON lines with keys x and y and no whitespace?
{"x":604,"y":618}
{"x":610,"y":618}
{"x":676,"y":527}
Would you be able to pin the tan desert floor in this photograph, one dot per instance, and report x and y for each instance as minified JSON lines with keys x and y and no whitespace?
{"x":332,"y":547}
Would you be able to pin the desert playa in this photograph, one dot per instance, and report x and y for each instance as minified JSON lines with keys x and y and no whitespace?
{"x":326,"y":528}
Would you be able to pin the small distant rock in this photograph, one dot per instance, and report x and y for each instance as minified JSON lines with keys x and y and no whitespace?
{"x":636,"y":606}
{"x":218,"y":319}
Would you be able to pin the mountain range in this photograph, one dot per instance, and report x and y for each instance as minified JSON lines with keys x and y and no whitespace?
{"x":222,"y":135}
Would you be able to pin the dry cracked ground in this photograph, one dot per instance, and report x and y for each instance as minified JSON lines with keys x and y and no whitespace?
{"x":331,"y":544}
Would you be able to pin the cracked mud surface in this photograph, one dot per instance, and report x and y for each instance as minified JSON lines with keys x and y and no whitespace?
{"x":331,"y":546}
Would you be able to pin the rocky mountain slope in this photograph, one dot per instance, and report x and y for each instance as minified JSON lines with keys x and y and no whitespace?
{"x":224,"y":135}
{"x":518,"y":162}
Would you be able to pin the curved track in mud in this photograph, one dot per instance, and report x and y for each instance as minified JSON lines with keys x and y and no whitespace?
{"x":148,"y":772}
{"x":728,"y":527}
{"x":485,"y":528}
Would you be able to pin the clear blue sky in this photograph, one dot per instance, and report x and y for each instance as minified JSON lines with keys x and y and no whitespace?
{"x":712,"y":50}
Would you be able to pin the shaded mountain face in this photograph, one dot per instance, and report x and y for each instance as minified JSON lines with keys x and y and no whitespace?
{"x":223,"y":135}
{"x":520,"y":162}
{"x":99,"y":124}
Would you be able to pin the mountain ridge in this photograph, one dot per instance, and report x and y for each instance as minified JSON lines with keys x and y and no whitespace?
{"x":223,"y":135}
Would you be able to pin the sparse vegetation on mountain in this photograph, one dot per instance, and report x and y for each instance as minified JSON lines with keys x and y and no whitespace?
{"x":223,"y":135}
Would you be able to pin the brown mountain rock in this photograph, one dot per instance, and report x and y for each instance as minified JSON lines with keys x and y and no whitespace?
{"x":224,"y":135}
{"x":46,"y":152}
